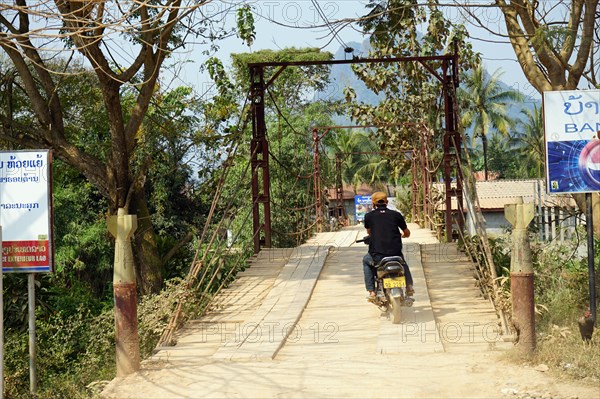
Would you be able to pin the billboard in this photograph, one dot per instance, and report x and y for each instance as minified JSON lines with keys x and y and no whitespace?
{"x":26,"y":211}
{"x":362,"y":206}
{"x":572,"y":138}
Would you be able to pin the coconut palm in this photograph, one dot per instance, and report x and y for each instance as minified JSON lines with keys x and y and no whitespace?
{"x":354,"y":148}
{"x":374,"y":170}
{"x":532,"y":142}
{"x":485,"y":104}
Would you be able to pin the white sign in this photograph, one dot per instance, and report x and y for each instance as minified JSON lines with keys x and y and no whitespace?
{"x":26,"y":211}
{"x":572,"y":135}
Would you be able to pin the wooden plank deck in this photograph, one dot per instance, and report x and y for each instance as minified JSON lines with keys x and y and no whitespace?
{"x":465,"y":320}
{"x":296,"y":323}
{"x":267,"y":309}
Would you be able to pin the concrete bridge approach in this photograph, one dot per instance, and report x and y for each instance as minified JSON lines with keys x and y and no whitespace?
{"x":296,"y":324}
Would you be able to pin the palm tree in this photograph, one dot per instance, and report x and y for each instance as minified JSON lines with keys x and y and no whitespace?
{"x":373,"y":170}
{"x":486,"y":106}
{"x":532,"y":141}
{"x":358,"y":155}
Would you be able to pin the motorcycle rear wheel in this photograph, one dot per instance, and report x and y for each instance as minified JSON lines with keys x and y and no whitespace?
{"x":395,"y":309}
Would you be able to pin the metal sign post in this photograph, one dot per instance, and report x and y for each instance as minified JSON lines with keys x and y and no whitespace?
{"x":26,"y":216}
{"x":591,"y":261}
{"x":32,"y":346}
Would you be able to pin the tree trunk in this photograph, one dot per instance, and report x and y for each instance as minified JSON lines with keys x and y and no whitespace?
{"x":485,"y":160}
{"x":553,"y":68}
{"x":148,"y":264}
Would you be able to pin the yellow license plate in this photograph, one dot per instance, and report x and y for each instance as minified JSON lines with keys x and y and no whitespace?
{"x":396,"y":282}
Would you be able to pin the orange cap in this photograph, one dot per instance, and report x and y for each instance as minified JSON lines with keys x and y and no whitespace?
{"x":379,"y":198}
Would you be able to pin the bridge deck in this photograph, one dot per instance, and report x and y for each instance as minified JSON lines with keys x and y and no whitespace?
{"x":298,"y":318}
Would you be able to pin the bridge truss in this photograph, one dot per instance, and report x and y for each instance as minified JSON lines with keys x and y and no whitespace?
{"x":259,"y":145}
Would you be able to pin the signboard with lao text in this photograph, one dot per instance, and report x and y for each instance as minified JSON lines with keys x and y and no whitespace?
{"x":26,"y":211}
{"x":572,"y":136}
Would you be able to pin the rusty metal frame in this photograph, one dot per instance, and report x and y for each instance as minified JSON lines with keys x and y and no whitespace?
{"x":259,"y":143}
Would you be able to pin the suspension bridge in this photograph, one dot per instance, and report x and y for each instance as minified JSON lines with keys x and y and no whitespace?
{"x":296,"y":324}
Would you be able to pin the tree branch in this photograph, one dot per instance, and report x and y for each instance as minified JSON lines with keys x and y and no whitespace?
{"x":520,"y":45}
{"x":587,"y":39}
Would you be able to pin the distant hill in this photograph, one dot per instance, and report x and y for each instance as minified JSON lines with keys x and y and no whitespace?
{"x":342,"y":76}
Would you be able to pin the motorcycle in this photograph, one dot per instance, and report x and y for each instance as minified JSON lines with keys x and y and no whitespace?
{"x":390,"y":285}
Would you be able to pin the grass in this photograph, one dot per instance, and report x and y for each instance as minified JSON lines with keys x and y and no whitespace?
{"x":563,"y":349}
{"x":561,"y":296}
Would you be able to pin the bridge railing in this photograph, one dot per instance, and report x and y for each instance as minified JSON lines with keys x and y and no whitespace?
{"x":473,"y":240}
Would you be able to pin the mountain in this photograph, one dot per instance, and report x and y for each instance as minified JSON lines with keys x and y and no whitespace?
{"x":341,"y":76}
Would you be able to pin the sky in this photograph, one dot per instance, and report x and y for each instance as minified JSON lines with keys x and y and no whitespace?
{"x":303,"y":14}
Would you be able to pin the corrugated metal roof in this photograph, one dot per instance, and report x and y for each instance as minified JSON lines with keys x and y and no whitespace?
{"x":494,"y":194}
{"x":349,"y":193}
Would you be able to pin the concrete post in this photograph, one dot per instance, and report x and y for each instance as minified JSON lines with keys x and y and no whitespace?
{"x":122,"y":228}
{"x":521,"y":273}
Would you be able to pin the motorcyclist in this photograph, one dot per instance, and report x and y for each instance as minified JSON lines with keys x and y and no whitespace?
{"x":383,"y":228}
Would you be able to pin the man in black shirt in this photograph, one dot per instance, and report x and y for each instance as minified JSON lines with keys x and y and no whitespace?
{"x":383,"y":227}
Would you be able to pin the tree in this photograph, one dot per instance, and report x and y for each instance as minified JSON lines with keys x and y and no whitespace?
{"x":118,"y":165}
{"x":360,"y":158}
{"x":412,"y":94}
{"x":556,"y":45}
{"x":532,"y":142}
{"x":501,"y":158}
{"x":486,"y":106}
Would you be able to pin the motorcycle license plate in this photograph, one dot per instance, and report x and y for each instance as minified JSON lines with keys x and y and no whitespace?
{"x":395,"y":282}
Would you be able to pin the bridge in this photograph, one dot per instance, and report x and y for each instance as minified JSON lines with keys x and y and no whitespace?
{"x":296,"y":324}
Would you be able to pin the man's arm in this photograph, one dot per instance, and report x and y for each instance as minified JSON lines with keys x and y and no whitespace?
{"x":402,"y":225}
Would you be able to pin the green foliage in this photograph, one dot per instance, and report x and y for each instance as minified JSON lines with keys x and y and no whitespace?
{"x":83,"y":247}
{"x":526,"y":140}
{"x":404,"y":201}
{"x":485,"y":109}
{"x":295,"y":84}
{"x":532,"y":148}
{"x":501,"y":156}
{"x":498,"y":248}
{"x":561,"y":297}
{"x":245,"y":24}
{"x":155,"y":311}
{"x":359,"y":156}
{"x":75,"y":344}
{"x":412,"y":95}
{"x":73,"y":350}
{"x":561,"y":284}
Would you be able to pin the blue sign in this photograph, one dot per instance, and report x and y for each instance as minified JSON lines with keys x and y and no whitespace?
{"x":362,"y":206}
{"x":572,"y":134}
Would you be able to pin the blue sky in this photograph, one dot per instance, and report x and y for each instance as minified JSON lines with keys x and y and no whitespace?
{"x":303,"y":14}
